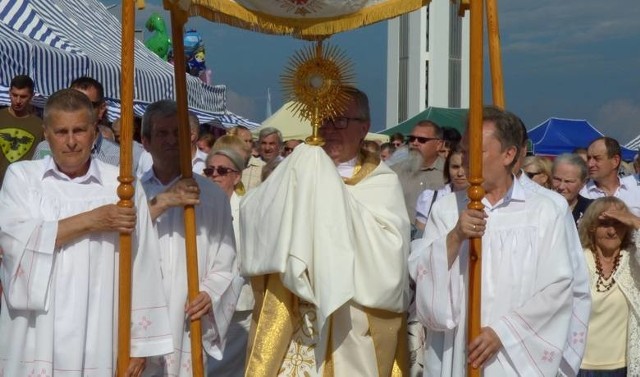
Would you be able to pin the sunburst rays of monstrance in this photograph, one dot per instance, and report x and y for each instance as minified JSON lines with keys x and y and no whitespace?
{"x":315,"y":80}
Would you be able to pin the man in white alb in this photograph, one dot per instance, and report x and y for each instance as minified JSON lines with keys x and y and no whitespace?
{"x":219,"y":282}
{"x":59,"y":234}
{"x":526,"y":271}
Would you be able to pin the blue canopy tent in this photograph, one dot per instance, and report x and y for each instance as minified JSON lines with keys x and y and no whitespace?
{"x":555,"y":136}
{"x":55,"y":42}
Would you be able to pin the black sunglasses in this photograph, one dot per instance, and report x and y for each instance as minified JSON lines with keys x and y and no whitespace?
{"x":221,"y":170}
{"x":421,"y":139}
{"x":531,"y":174}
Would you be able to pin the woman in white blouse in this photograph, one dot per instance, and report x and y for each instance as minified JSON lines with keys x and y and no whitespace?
{"x":609,"y":236}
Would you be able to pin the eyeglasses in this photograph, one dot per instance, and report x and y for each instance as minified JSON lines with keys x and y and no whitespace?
{"x":421,"y":139}
{"x":397,"y":144}
{"x":340,"y":122}
{"x":221,"y":170}
{"x":532,"y":174}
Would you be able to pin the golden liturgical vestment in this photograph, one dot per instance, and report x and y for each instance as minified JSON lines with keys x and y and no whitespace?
{"x":327,"y":261}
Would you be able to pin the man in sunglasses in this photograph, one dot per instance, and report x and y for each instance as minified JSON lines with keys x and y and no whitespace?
{"x":289,"y":146}
{"x":423,"y":168}
{"x":219,"y":282}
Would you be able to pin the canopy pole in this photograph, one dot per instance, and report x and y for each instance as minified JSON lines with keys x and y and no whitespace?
{"x":475,"y":190}
{"x":178,"y":20}
{"x":495,"y":53}
{"x":126,"y":189}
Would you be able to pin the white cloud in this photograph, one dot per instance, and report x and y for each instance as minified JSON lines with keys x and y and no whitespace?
{"x":620,"y":118}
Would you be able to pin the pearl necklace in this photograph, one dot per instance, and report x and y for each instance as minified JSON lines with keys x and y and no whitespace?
{"x":604,"y":284}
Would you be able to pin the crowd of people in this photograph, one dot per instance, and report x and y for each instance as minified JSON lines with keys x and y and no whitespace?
{"x":349,"y":259}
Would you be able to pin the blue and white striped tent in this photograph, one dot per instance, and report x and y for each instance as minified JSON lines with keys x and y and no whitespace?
{"x":55,"y":42}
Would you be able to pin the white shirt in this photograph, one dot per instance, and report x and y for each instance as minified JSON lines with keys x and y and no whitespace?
{"x":526,"y":286}
{"x":628,"y":192}
{"x":59,"y":307}
{"x":216,"y":255}
{"x":423,"y":206}
{"x":199,"y":162}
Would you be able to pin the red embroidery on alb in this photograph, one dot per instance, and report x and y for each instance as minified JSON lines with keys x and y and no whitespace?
{"x":578,"y":337}
{"x":145,"y":322}
{"x":548,"y":356}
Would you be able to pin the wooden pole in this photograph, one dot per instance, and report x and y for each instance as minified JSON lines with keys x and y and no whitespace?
{"x":475,"y":191}
{"x":125,"y":189}
{"x":495,"y":53}
{"x":178,"y":20}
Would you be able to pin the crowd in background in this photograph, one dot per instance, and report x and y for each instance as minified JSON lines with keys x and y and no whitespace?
{"x":598,"y":192}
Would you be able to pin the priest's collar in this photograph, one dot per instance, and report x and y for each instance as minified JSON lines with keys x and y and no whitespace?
{"x":92,"y":174}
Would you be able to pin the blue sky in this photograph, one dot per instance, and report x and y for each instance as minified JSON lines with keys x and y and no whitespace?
{"x":568,"y":59}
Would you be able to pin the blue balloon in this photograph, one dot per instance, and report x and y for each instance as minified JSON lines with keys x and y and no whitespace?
{"x":192,"y":42}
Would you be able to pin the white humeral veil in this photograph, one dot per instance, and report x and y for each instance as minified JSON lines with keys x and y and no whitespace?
{"x":331,"y":243}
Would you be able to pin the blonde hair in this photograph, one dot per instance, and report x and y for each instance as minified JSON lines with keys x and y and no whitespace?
{"x":232,"y":142}
{"x":541,"y":164}
{"x":589,"y":221}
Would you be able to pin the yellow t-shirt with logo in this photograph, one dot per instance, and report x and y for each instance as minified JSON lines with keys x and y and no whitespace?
{"x":18,"y":138}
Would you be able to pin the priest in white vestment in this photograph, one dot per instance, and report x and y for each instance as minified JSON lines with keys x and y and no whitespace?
{"x":326,"y":251}
{"x":59,"y":234}
{"x":526,"y":272}
{"x":220,"y":283}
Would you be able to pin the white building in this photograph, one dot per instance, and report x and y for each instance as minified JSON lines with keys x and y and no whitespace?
{"x":427,"y":61}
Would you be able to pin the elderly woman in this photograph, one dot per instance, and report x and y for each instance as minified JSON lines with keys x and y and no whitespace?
{"x":538,"y":169}
{"x":568,"y":175}
{"x":224,"y":167}
{"x":608,"y":232}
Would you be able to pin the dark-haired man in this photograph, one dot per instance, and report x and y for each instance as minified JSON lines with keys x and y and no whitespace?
{"x":603,"y":161}
{"x":20,"y":129}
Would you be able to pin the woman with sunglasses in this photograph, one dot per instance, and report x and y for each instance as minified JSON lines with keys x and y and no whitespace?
{"x":538,"y":169}
{"x":610,"y":237}
{"x":224,"y":167}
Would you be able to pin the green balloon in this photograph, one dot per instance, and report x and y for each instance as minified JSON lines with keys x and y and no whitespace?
{"x":159,"y":42}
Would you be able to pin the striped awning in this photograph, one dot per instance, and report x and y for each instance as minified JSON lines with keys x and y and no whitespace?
{"x":55,"y":41}
{"x":226,"y":118}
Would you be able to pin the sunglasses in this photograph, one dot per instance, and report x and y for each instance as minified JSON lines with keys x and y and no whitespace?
{"x":220,"y":170}
{"x":287,"y":149}
{"x":421,"y":139}
{"x":531,"y":174}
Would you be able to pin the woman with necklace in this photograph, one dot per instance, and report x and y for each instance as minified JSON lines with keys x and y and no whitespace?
{"x":608,"y":232}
